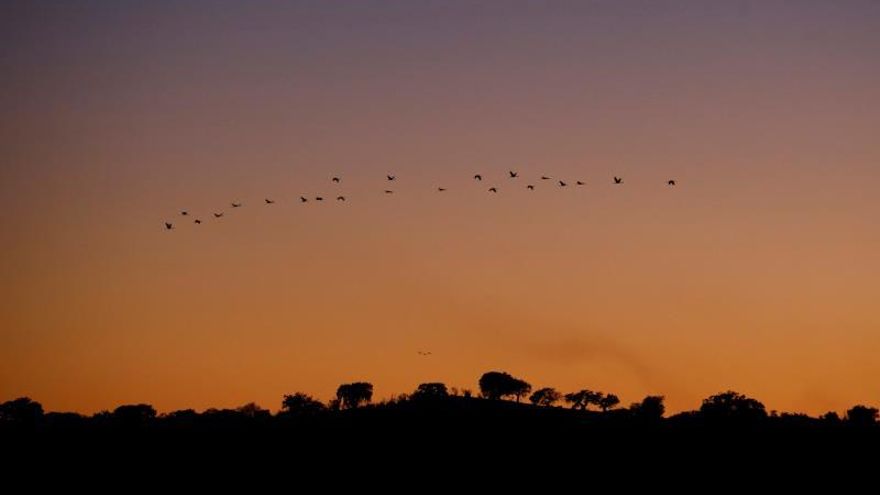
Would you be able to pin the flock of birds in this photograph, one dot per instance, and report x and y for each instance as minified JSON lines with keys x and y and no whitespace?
{"x":391,"y":178}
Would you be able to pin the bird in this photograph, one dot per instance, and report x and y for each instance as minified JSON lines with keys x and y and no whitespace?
{"x":493,"y":189}
{"x":478,"y":177}
{"x":336,"y":179}
{"x":236,"y":205}
{"x":387,"y":191}
{"x":513,"y":175}
{"x":340,"y":198}
{"x":319,"y":198}
{"x":424,"y":353}
{"x":184,"y":213}
{"x":670,"y":182}
{"x":618,"y":180}
{"x":303,"y":199}
{"x":218,"y":215}
{"x":391,"y":177}
{"x":168,"y":226}
{"x":544,"y":177}
{"x":580,"y":182}
{"x":198,"y":222}
{"x":562,"y":184}
{"x":441,"y":189}
{"x":530,"y":187}
{"x":269,"y":201}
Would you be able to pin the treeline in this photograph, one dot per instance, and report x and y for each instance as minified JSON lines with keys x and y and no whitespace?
{"x":501,"y":398}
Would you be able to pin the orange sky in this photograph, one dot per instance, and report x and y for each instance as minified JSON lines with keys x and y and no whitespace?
{"x":759,"y":272}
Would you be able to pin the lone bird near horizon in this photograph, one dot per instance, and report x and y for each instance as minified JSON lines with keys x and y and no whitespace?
{"x":218,"y":215}
{"x":270,"y":201}
{"x":391,"y":177}
{"x":513,"y":175}
{"x":340,"y":198}
{"x":493,"y":189}
{"x":618,"y":180}
{"x":168,"y":226}
{"x":530,"y":187}
{"x":562,"y":184}
{"x":236,"y":205}
{"x":670,"y":182}
{"x":336,"y":179}
{"x":478,"y":177}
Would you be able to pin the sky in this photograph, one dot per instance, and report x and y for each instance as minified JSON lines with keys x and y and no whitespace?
{"x":758,"y":272}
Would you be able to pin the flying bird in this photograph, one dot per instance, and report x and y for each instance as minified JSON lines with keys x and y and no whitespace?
{"x":530,"y":187}
{"x":441,"y":189}
{"x":513,"y":175}
{"x":562,"y":184}
{"x":387,"y":191}
{"x":670,"y":182}
{"x":236,"y":205}
{"x":270,"y":201}
{"x":424,"y":353}
{"x":340,"y":198}
{"x":478,"y":177}
{"x":391,"y":177}
{"x":618,"y":180}
{"x":319,"y":198}
{"x":218,"y":215}
{"x":303,"y":199}
{"x":580,"y":182}
{"x":544,"y":177}
{"x":184,"y":213}
{"x":198,"y":222}
{"x":168,"y":226}
{"x":336,"y":179}
{"x":492,"y":189}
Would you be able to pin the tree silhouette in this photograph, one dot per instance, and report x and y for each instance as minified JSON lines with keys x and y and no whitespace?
{"x":862,"y":415}
{"x":253,"y":410}
{"x":134,"y":414}
{"x":606,"y":402}
{"x":352,"y":395}
{"x":433,"y":390}
{"x":21,"y":411}
{"x":546,"y":397}
{"x":300,"y":403}
{"x":498,"y":384}
{"x":582,"y":398}
{"x":651,"y":408}
{"x":732,"y":405}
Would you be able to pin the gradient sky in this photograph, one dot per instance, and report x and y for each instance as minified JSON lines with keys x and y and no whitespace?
{"x":759,"y":272}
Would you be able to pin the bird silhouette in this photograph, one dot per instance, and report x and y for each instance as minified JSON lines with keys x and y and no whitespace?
{"x":319,"y":198}
{"x":336,"y":179}
{"x":184,"y":213}
{"x":562,"y":184}
{"x":478,"y":177}
{"x":493,"y":189}
{"x":218,"y":215}
{"x":580,"y":183}
{"x":544,"y":177}
{"x":236,"y":205}
{"x":530,"y":187}
{"x":391,"y":177}
{"x":340,"y":198}
{"x":513,"y":175}
{"x":198,"y":222}
{"x":670,"y":182}
{"x":270,"y":201}
{"x":424,"y":353}
{"x":303,"y":199}
{"x":388,"y":191}
{"x":618,"y":180}
{"x":441,"y":189}
{"x":168,"y":226}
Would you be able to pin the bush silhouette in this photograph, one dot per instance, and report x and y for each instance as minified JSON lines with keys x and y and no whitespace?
{"x":300,"y":403}
{"x":498,"y":384}
{"x":352,"y":395}
{"x":546,"y":397}
{"x":731,"y":405}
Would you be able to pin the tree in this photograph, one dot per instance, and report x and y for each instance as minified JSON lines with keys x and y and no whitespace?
{"x":432,"y":390}
{"x":582,"y":398}
{"x":862,"y":415}
{"x":606,"y":402}
{"x":134,"y":414}
{"x":498,"y":384}
{"x":352,"y":395}
{"x":253,"y":410}
{"x":651,"y":408}
{"x":546,"y":397}
{"x":732,"y":405}
{"x":300,"y":403}
{"x":21,"y":411}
